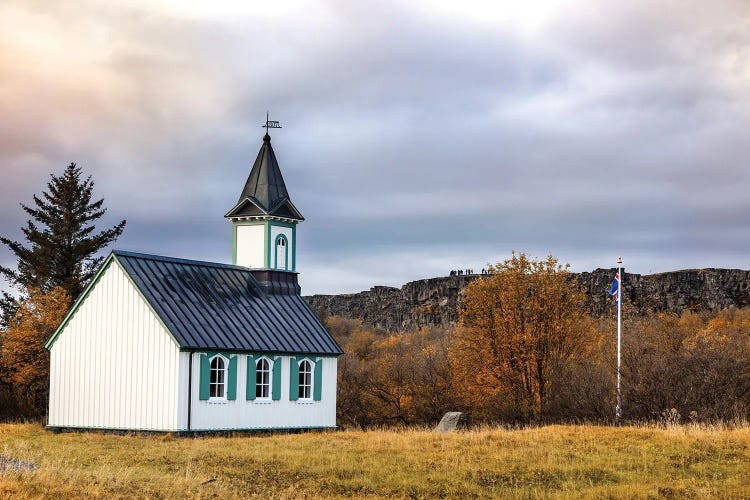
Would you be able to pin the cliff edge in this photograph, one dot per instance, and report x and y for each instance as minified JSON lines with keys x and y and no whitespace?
{"x":434,"y":301}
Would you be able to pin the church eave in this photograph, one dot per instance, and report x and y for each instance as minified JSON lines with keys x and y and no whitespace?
{"x":240,"y":218}
{"x":237,"y":212}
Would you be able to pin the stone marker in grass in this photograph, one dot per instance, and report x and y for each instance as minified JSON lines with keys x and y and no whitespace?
{"x":451,"y":421}
{"x":12,"y":464}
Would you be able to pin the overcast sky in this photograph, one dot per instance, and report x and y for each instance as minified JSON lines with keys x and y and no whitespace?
{"x":418,"y":137}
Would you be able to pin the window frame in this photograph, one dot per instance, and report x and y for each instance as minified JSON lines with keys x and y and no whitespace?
{"x":281,"y":241}
{"x":224,"y":384}
{"x":269,"y":381}
{"x":309,"y":386}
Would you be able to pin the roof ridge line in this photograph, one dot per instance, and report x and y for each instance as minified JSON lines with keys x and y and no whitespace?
{"x":179,"y":260}
{"x":257,"y":179}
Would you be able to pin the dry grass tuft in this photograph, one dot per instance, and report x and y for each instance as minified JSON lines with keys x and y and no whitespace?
{"x":549,"y":462}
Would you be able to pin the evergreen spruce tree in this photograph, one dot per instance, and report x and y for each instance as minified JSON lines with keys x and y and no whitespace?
{"x":61,"y":244}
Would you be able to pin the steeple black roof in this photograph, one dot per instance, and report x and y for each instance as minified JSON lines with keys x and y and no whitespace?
{"x":265,"y":192}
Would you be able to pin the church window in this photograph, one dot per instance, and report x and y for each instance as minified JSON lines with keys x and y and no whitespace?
{"x":263,"y":379}
{"x":305,"y":380}
{"x":218,"y":378}
{"x":282,"y":253}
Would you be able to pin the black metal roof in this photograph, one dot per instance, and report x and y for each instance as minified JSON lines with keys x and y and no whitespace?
{"x":265,"y":189}
{"x":206,"y":305}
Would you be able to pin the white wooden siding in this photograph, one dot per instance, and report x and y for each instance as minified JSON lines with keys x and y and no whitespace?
{"x":114,"y":366}
{"x":251,"y":245}
{"x":244,"y":414}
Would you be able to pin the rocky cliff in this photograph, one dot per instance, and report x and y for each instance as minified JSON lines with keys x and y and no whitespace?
{"x":434,"y":302}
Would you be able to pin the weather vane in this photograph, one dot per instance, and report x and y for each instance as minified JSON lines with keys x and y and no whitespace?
{"x":270,"y":124}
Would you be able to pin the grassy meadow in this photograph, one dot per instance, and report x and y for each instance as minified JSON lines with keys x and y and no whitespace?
{"x":546,"y":462}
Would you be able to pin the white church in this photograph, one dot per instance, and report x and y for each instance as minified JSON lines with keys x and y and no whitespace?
{"x":164,"y":344}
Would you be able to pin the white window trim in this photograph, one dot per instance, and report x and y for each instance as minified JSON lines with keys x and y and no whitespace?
{"x":217,"y":399}
{"x":267,"y":399}
{"x":309,"y":399}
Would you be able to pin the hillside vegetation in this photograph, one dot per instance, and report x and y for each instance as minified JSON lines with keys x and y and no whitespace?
{"x":547,"y":462}
{"x":690,"y":368}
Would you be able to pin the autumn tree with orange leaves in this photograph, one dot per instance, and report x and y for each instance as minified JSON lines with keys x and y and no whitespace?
{"x":517,"y":328}
{"x":24,"y":362}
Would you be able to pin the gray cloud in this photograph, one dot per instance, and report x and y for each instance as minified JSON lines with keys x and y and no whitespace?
{"x":413,"y":143}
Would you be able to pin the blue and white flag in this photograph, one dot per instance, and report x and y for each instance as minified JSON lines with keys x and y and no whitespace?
{"x":615,"y":290}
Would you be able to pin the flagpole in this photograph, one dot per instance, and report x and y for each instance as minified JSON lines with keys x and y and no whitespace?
{"x":618,"y":409}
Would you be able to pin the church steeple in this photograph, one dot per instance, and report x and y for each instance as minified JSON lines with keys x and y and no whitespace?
{"x":264,"y":219}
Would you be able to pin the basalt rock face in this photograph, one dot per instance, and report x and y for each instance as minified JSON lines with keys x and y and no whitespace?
{"x":430,"y":302}
{"x":434,"y":302}
{"x":677,"y":291}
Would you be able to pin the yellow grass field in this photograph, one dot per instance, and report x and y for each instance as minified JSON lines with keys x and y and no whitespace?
{"x":546,"y":462}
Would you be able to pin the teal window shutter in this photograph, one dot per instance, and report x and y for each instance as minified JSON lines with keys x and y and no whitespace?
{"x":318,"y":380}
{"x":293,"y":379}
{"x":232,"y":387}
{"x":205,"y":378}
{"x":251,"y":372}
{"x":276,"y":384}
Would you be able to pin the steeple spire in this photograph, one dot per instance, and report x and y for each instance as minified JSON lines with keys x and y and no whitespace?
{"x":265,"y":192}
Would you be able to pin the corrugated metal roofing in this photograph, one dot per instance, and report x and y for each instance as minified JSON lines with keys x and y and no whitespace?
{"x":206,"y":305}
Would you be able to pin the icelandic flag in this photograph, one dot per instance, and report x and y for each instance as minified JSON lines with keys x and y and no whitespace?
{"x":615,"y":290}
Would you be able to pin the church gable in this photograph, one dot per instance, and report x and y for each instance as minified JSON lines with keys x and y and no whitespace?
{"x":246,"y":208}
{"x":287,"y":210}
{"x":103,"y":283}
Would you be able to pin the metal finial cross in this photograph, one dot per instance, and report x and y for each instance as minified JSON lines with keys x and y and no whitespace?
{"x":270,"y":124}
